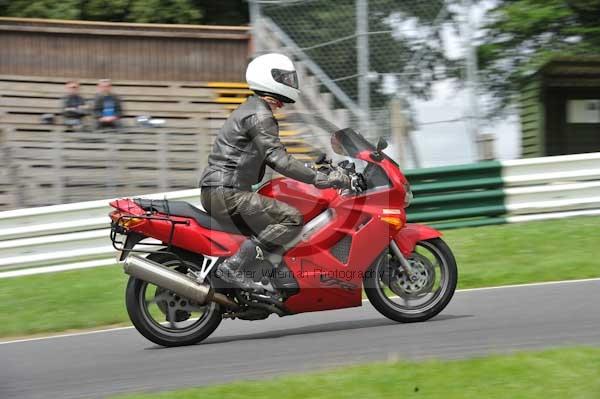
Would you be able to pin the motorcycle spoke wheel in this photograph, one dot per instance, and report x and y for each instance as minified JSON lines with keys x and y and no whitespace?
{"x":418,"y":293}
{"x":169,"y":312}
{"x":164,"y":317}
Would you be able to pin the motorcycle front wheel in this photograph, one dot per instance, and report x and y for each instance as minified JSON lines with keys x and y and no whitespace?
{"x":165,"y":318}
{"x":421,"y":293}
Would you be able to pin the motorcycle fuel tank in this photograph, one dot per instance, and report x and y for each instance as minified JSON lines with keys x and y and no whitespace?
{"x":308,"y":199}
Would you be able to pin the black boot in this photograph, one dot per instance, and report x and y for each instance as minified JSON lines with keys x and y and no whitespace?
{"x":237,"y":270}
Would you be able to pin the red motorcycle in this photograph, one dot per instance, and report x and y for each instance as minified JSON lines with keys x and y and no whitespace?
{"x":352,"y":239}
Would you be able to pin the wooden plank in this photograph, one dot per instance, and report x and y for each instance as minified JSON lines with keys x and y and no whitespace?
{"x":89,"y":95}
{"x":240,"y":92}
{"x":142,"y":132}
{"x":92,"y":81}
{"x":133,"y":108}
{"x":171,"y":121}
{"x":230,"y":100}
{"x":288,"y":133}
{"x":24,"y":103}
{"x":7,"y":201}
{"x":94,"y":139}
{"x":90,"y":151}
{"x":30,"y":53}
{"x":299,"y":150}
{"x":86,"y":156}
{"x":532,"y":140}
{"x":125,"y":89}
{"x":232,"y":85}
{"x":533,"y":117}
{"x":127,"y":32}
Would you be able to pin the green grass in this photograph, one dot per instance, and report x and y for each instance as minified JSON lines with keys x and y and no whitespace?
{"x":548,"y":250}
{"x":76,"y":299}
{"x":495,"y":255}
{"x":561,"y":373}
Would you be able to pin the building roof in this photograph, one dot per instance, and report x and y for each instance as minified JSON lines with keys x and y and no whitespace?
{"x":572,"y":66}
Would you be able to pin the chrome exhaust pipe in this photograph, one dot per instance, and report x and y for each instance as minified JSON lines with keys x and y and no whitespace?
{"x":155,"y":273}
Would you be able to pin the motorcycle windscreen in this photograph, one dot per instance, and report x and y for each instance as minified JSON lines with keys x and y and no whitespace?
{"x":349,"y":143}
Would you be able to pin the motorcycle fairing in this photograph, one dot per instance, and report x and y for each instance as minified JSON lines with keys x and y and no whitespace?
{"x":328,"y":281}
{"x":411,"y":234}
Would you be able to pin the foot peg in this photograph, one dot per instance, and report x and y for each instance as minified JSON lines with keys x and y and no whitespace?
{"x":237,"y":278}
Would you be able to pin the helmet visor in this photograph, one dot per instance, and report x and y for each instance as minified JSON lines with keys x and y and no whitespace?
{"x":288,"y":78}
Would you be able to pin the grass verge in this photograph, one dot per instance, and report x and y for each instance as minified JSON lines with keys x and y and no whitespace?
{"x":551,"y":250}
{"x":77,"y":299}
{"x":487,"y":256}
{"x":560,"y":373}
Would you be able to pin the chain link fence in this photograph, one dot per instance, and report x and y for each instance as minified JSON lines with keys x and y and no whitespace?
{"x":384,"y":57}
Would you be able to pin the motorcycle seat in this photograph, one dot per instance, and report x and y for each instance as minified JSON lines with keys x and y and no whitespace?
{"x":185,"y":209}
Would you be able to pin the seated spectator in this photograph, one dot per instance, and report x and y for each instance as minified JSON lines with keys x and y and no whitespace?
{"x":74,"y":107}
{"x":107,"y":106}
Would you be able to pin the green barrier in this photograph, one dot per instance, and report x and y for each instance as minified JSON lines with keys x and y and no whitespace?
{"x":456,"y":185}
{"x":462,"y":212}
{"x":457,"y":224}
{"x":457,"y":196}
{"x":457,"y":177}
{"x":497,"y":194}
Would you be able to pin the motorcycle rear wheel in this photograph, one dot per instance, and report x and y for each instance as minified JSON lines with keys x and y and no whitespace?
{"x":147,"y":303}
{"x":398,"y":298}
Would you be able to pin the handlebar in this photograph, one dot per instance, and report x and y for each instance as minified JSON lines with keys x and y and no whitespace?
{"x":357,"y":183}
{"x":357,"y":180}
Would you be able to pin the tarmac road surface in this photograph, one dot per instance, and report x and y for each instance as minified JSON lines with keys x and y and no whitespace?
{"x":476,"y":322}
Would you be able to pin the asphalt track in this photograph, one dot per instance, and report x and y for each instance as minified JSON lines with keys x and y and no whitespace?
{"x":476,"y":322}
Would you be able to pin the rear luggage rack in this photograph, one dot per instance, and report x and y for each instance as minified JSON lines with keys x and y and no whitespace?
{"x":132,"y":238}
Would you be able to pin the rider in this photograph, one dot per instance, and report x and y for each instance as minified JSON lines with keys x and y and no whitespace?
{"x":247,"y":143}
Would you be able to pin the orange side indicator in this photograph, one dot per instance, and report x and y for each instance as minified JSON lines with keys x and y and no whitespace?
{"x":395,"y":221}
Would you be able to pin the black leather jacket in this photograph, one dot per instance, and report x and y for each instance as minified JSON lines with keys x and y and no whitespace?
{"x":246,"y":144}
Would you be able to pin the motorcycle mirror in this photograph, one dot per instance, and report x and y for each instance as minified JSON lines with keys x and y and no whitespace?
{"x":377,"y":155}
{"x":382,"y":144}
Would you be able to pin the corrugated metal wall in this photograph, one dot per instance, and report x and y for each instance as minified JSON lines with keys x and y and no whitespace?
{"x":122,"y":51}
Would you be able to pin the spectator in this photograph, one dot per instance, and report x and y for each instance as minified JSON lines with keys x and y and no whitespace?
{"x":107,"y":106}
{"x":74,"y":107}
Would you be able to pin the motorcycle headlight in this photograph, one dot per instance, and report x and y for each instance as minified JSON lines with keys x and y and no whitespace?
{"x":408,"y":196}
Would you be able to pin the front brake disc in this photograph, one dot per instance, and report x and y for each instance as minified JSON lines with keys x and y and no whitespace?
{"x":423,"y":273}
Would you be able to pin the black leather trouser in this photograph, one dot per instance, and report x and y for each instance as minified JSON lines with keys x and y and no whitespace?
{"x":274,"y":223}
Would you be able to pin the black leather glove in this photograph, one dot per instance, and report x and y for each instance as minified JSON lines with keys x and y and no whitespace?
{"x":335,"y":179}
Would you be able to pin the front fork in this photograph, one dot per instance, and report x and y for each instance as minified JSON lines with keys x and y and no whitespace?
{"x":405,"y":240}
{"x":403,"y":262}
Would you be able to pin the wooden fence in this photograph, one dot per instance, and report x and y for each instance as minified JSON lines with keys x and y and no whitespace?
{"x":122,"y":50}
{"x":44,"y":164}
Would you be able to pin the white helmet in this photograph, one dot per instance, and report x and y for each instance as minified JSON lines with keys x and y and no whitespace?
{"x":275,"y":75}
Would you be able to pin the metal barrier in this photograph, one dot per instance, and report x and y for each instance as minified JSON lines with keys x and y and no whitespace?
{"x":73,"y":236}
{"x":457,"y":196}
{"x":63,"y":234}
{"x":550,"y":187}
{"x":503,"y":192}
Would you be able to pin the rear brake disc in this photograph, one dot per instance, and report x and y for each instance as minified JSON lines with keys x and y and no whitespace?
{"x":180,"y":315}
